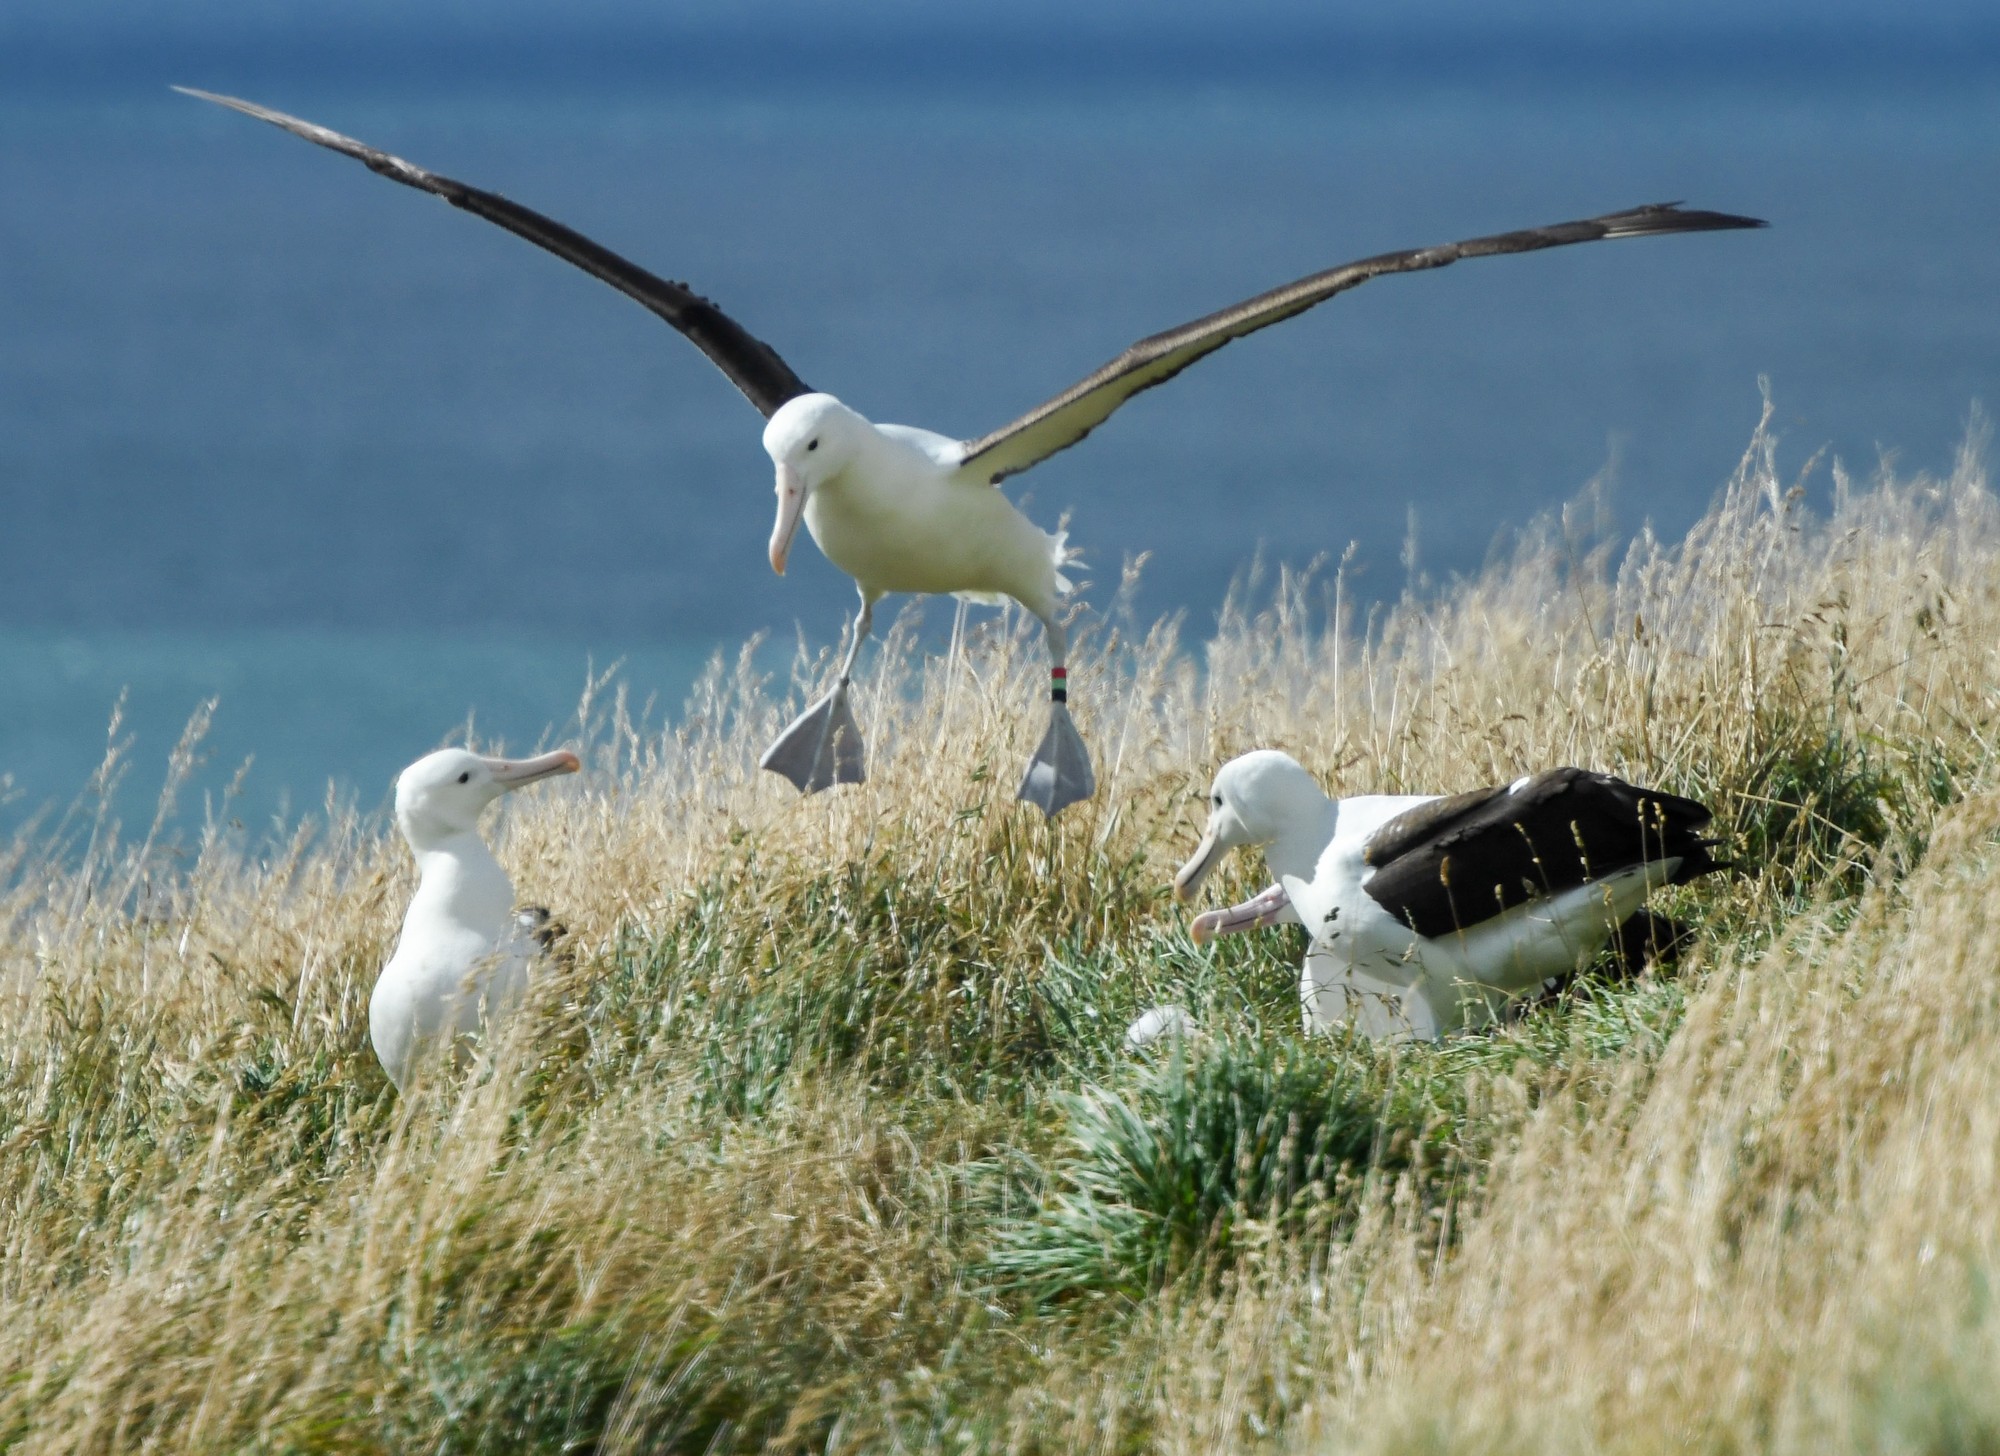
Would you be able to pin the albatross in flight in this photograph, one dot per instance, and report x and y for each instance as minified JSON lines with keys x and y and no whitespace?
{"x":901,"y":509}
{"x":1429,"y":914}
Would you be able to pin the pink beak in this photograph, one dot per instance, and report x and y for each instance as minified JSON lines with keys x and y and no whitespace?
{"x":791,"y":505}
{"x":1188,"y":881}
{"x":1252,"y":914}
{"x":511,"y":773}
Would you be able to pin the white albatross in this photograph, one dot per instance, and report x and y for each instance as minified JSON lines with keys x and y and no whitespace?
{"x":1429,"y":914}
{"x":901,"y":509}
{"x":463,"y":956}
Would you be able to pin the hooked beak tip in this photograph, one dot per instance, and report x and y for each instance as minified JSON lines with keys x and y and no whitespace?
{"x":1187,"y":883}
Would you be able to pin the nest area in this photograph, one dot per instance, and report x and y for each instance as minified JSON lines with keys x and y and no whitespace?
{"x":824,"y":1134}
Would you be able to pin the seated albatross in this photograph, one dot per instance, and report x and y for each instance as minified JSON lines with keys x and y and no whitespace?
{"x":464,"y":953}
{"x":901,"y":509}
{"x":1429,"y":914}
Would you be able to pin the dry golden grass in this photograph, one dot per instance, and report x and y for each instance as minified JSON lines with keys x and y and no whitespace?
{"x":751,"y":1173}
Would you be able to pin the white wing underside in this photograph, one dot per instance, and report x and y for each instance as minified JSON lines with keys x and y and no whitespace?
{"x":1367,"y":969}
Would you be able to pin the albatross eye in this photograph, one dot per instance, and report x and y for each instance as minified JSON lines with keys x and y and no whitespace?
{"x":812,"y":444}
{"x":1217,"y":801}
{"x":466,"y":777}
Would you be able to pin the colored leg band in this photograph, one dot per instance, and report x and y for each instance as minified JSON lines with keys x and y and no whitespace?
{"x":1058,"y":684}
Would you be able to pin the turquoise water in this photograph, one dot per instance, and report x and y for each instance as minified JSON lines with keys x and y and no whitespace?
{"x":300,"y":715}
{"x":275,"y":431}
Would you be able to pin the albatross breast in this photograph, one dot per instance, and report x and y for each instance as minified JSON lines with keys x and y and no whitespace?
{"x":463,"y":955}
{"x":916,"y":530}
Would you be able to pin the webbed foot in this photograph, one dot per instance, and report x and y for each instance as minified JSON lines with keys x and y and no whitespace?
{"x":1059,"y":774}
{"x":821,"y":748}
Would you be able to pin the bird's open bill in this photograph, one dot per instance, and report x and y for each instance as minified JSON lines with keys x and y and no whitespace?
{"x":1253,"y":914}
{"x":791,"y":505}
{"x":514,"y":772}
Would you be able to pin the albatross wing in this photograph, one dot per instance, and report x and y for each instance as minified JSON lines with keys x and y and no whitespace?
{"x":1450,"y":864}
{"x":1066,"y":419}
{"x":752,"y":365}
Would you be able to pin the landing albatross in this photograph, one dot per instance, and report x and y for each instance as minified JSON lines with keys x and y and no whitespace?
{"x":901,"y":509}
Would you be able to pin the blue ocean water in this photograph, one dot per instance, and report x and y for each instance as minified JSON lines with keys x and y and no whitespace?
{"x":276,"y":431}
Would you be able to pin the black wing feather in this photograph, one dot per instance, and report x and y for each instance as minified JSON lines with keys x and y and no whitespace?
{"x":1452,"y":863}
{"x":752,"y":365}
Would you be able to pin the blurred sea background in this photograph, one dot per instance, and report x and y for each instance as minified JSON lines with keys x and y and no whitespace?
{"x":368,"y":470}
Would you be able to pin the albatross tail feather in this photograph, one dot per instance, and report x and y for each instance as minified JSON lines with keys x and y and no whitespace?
{"x":1061,"y":555}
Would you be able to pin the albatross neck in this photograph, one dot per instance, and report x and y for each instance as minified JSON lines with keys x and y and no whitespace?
{"x":457,"y":875}
{"x":1297,"y":850}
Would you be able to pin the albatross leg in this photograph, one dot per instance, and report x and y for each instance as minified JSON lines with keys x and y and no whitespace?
{"x":1059,"y":774}
{"x":823,"y":746}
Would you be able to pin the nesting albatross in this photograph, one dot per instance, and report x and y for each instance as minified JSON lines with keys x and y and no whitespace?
{"x":901,"y":509}
{"x":1429,"y":914}
{"x":463,"y":956}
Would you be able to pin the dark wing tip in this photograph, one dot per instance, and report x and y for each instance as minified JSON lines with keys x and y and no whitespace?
{"x":248,"y":108}
{"x":539,"y":925}
{"x":751,"y":364}
{"x":394,"y":168}
{"x":1671,"y":217}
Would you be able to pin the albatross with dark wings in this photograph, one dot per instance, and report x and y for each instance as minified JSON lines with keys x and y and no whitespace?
{"x":1430,"y":914}
{"x":901,"y":509}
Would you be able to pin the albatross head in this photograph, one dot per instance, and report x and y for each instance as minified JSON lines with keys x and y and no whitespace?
{"x":810,"y":439}
{"x":1257,"y":799}
{"x":442,"y":793}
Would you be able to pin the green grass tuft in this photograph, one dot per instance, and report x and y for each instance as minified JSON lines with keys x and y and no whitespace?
{"x":825,"y":1136}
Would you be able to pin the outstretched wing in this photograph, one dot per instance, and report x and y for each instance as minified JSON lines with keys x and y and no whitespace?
{"x":1062,"y":421}
{"x":1452,"y":863}
{"x":752,"y":365}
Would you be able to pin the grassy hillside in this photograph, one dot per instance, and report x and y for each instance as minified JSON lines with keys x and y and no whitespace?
{"x":827,"y":1139}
